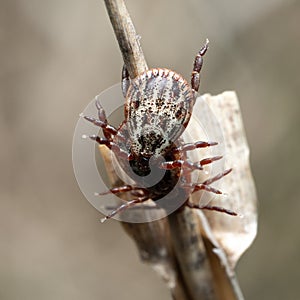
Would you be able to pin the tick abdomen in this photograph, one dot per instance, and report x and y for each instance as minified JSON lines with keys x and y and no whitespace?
{"x":159,"y":103}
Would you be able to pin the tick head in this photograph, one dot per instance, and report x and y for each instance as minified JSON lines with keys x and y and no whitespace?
{"x":147,"y":168}
{"x":140,"y":165}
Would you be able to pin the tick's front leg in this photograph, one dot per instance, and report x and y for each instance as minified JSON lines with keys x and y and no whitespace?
{"x":108,"y":130}
{"x":195,"y":81}
{"x":102,"y":117}
{"x":112,"y":146}
{"x":214,"y":208}
{"x":136,"y":191}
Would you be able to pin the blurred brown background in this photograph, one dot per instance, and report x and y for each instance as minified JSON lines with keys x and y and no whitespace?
{"x":56,"y":56}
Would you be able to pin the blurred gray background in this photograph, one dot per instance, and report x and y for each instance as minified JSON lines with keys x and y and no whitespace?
{"x":56,"y":56}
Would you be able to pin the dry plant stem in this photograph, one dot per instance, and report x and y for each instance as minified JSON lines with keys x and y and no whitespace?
{"x":129,"y":41}
{"x":152,"y":239}
{"x":191,"y":254}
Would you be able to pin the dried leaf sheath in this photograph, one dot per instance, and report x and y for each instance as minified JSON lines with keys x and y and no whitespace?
{"x":234,"y":235}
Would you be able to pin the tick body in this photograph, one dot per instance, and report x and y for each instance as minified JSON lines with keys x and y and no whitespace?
{"x":158,"y":107}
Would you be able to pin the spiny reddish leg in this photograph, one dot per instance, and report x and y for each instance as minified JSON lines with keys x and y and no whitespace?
{"x":125,"y":81}
{"x":193,"y":146}
{"x":207,"y":188}
{"x":209,"y":160}
{"x":201,"y":186}
{"x":112,"y":146}
{"x":169,"y":165}
{"x":195,"y":80}
{"x":102,"y":117}
{"x":206,"y":184}
{"x":124,"y":189}
{"x":214,"y":208}
{"x":217,"y":177}
{"x":124,"y":207}
{"x":107,"y":129}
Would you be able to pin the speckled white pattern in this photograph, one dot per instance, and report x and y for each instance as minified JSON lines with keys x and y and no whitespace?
{"x":159,"y":104}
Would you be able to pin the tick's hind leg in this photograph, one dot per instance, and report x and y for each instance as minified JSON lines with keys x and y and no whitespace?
{"x":217,"y":177}
{"x":206,"y":186}
{"x":215,"y":208}
{"x":125,"y":81}
{"x":195,"y":81}
{"x":124,"y":206}
{"x":141,"y":194}
{"x":136,"y":191}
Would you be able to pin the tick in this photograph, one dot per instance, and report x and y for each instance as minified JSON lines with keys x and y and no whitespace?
{"x":158,"y":107}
